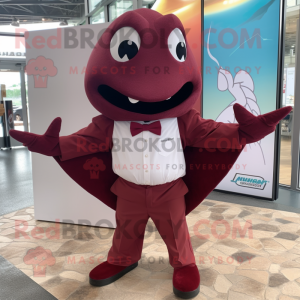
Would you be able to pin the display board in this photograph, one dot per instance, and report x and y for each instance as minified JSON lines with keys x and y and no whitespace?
{"x":9,"y":115}
{"x":56,"y":62}
{"x":242,"y":64}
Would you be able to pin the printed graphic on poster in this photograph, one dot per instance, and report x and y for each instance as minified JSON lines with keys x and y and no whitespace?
{"x":9,"y":115}
{"x":241,"y":41}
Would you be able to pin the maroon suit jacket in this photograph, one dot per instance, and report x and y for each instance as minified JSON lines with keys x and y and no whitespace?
{"x":210,"y":149}
{"x":194,"y":132}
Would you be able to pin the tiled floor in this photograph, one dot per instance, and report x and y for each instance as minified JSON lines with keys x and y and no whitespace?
{"x":261,"y":263}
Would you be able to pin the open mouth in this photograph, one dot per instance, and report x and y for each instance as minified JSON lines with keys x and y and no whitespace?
{"x":147,"y":108}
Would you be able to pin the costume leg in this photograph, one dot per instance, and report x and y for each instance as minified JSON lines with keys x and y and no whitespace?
{"x":128,"y":238}
{"x":169,"y":218}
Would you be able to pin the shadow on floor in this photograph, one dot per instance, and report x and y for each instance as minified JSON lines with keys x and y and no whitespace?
{"x":287,"y":200}
{"x":14,"y":284}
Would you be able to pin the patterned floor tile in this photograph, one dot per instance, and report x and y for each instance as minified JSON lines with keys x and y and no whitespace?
{"x":241,"y":252}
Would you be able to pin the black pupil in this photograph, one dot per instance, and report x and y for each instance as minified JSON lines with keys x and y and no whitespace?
{"x":128,"y":48}
{"x":181,"y":50}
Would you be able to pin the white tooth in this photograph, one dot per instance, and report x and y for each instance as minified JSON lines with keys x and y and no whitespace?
{"x":133,"y":100}
{"x":169,"y":98}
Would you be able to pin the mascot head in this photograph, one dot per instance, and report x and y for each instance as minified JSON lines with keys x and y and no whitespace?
{"x":142,"y":69}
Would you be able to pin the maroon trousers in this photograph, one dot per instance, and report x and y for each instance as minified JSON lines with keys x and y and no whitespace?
{"x":165,"y":205}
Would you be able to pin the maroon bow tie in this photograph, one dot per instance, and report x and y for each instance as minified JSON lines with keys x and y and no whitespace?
{"x":136,"y":128}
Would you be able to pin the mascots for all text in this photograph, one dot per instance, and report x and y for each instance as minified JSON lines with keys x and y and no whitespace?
{"x":143,"y":79}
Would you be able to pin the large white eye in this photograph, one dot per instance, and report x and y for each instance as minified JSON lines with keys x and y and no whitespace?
{"x":177,"y":44}
{"x":125,"y":44}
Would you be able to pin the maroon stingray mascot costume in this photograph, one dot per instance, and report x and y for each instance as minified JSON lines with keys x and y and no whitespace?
{"x":143,"y":78}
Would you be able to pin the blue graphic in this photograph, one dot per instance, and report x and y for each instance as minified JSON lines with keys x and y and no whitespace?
{"x":244,"y":38}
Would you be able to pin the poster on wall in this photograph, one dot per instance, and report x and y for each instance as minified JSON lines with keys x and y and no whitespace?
{"x":9,"y":115}
{"x":240,"y":65}
{"x":190,"y":14}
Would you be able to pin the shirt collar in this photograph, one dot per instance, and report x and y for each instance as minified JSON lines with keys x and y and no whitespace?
{"x":143,"y":122}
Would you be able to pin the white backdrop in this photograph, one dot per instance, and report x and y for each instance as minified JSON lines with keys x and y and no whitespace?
{"x":56,"y":195}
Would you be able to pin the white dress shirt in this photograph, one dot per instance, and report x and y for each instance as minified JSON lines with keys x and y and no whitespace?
{"x":147,"y":158}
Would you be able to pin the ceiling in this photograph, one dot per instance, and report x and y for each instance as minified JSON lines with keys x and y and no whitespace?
{"x":37,"y":11}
